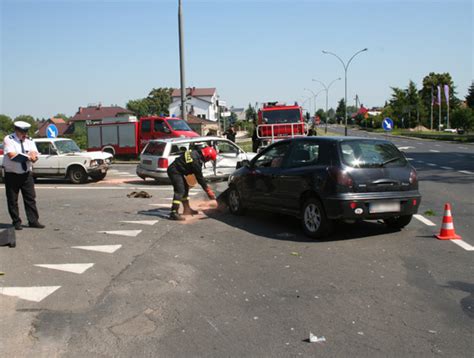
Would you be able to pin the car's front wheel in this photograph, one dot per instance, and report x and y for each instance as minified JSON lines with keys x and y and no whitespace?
{"x":235,"y":202}
{"x":77,"y":175}
{"x":398,"y":222}
{"x":313,"y":218}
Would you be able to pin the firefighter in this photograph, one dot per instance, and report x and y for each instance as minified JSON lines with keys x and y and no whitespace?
{"x":190,"y":162}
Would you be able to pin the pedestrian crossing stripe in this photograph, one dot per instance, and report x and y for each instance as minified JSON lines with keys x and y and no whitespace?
{"x":108,"y":249}
{"x":35,"y":293}
{"x":131,"y":233}
{"x":142,"y":222}
{"x":74,"y":268}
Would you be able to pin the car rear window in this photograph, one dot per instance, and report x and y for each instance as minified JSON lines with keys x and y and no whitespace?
{"x":155,"y":148}
{"x":370,"y":153}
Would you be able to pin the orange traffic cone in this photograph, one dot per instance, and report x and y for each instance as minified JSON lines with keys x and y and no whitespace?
{"x":447,"y":227}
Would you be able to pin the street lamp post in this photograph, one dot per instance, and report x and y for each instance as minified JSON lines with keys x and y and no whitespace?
{"x":181,"y":63}
{"x":314,"y":99}
{"x":326,"y":88}
{"x":345,"y":81}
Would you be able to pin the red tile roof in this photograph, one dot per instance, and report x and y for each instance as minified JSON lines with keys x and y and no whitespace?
{"x":195,"y":92}
{"x":196,"y":120}
{"x":98,"y":112}
{"x":63,"y":128}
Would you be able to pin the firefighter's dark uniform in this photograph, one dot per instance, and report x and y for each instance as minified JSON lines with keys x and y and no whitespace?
{"x":190,"y":162}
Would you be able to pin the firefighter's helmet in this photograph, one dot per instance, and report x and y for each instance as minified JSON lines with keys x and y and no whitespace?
{"x":209,"y":153}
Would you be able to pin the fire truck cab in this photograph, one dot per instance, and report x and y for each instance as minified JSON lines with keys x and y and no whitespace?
{"x":278,"y":121}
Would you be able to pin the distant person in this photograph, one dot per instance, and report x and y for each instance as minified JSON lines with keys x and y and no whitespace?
{"x":255,"y":139}
{"x":20,"y":153}
{"x":230,"y":133}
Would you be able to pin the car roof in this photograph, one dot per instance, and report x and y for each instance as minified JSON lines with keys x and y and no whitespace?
{"x":188,"y":139}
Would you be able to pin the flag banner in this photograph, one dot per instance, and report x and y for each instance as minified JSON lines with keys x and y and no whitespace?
{"x":439,"y":95}
{"x":446,"y":93}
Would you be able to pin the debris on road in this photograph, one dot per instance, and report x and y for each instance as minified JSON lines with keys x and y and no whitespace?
{"x":294,"y":253}
{"x":139,"y":194}
{"x":315,"y":339}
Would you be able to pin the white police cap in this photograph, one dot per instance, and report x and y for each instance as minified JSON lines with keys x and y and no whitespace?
{"x":24,"y":126}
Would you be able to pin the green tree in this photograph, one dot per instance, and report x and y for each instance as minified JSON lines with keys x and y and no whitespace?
{"x":470,"y":97}
{"x":139,"y":107}
{"x":462,"y":118}
{"x":250,"y":113}
{"x":340,"y":110}
{"x":63,"y":116}
{"x":159,"y":100}
{"x":6,"y":126}
{"x":322,"y":115}
{"x":398,"y":105}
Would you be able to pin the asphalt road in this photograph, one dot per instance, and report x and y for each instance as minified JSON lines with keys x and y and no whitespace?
{"x":219,"y":285}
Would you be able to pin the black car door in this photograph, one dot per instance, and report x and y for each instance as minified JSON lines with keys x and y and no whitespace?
{"x":261,"y":179}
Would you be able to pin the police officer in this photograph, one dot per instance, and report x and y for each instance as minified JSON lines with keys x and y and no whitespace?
{"x":18,"y":175}
{"x":190,"y":162}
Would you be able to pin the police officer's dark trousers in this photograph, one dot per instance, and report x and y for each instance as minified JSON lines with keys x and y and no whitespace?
{"x":14,"y":183}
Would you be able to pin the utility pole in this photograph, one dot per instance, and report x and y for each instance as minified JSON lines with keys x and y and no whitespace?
{"x":184,"y":112}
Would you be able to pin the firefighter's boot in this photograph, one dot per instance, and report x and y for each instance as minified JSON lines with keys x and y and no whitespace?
{"x":174,"y":212}
{"x":187,"y":209}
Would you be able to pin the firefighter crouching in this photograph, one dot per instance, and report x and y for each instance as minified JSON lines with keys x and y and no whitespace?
{"x":190,"y":162}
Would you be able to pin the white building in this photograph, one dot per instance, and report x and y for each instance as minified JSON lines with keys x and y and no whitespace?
{"x":201,"y":102}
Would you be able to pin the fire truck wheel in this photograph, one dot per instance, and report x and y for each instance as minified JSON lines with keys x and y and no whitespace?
{"x":77,"y":175}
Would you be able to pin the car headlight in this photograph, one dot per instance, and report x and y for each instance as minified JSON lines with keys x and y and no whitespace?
{"x":93,"y":163}
{"x":231,"y":177}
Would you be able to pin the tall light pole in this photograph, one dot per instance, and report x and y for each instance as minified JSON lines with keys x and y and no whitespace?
{"x":345,"y":81}
{"x":184,"y":113}
{"x":314,"y":99}
{"x":326,"y":88}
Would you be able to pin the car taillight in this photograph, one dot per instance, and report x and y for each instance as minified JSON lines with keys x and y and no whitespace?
{"x":163,"y":163}
{"x":342,"y":177}
{"x":413,"y":178}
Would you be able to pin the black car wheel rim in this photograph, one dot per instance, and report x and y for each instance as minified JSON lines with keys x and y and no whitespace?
{"x":312,"y":217}
{"x":234,"y":200}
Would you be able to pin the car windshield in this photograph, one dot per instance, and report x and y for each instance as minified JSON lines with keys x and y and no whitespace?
{"x":67,"y":146}
{"x":282,"y":116}
{"x":369,"y":153}
{"x":179,"y":125}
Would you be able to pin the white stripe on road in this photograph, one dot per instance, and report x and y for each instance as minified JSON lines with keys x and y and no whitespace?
{"x":130,"y":233}
{"x":466,"y":172}
{"x":100,"y":187}
{"x":35,"y":294}
{"x":463,"y":244}
{"x":434,"y":151}
{"x":410,"y":158}
{"x":424,"y":220}
{"x":431,"y":164}
{"x":141,"y":222}
{"x":462,"y":148}
{"x":108,"y":249}
{"x":447,"y":168}
{"x":74,"y":268}
{"x":167,"y":204}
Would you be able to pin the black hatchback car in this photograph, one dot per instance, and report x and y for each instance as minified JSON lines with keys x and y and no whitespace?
{"x":322,"y":179}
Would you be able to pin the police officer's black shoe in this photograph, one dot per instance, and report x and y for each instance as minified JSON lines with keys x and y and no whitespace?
{"x":36,"y":225}
{"x":18,"y":226}
{"x":175,"y":216}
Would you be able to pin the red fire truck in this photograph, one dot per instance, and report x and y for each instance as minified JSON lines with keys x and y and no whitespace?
{"x":279,"y":121}
{"x":127,"y":136}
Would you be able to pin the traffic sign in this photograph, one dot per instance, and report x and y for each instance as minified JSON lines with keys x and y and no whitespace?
{"x":387,"y":124}
{"x":52,"y":131}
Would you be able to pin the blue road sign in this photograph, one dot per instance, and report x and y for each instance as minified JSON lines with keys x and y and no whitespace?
{"x":52,"y":131}
{"x":387,"y":124}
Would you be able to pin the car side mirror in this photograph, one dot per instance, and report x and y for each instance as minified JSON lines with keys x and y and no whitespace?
{"x":243,"y":163}
{"x":53,"y":151}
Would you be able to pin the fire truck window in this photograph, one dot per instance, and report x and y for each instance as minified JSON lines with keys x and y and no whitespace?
{"x":159,"y":126}
{"x":146,"y":126}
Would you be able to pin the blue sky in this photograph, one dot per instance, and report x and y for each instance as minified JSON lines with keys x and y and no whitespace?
{"x":58,"y":55}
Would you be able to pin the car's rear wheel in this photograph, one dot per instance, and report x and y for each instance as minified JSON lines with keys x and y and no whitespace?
{"x":77,"y":175}
{"x":235,"y":202}
{"x":398,"y":222}
{"x":313,"y":218}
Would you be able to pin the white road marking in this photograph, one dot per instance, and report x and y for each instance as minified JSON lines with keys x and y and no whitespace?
{"x":130,"y":233}
{"x":434,"y":150}
{"x":463,"y":244}
{"x":35,"y":293}
{"x":142,"y":222}
{"x":462,"y":148}
{"x":447,"y":168}
{"x":405,"y":148}
{"x":431,"y":164}
{"x":437,"y":145}
{"x":109,"y":249}
{"x":167,"y":204}
{"x":74,"y":268}
{"x":424,"y":220}
{"x":466,"y":172}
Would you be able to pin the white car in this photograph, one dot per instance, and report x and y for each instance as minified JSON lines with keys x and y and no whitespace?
{"x":61,"y":157}
{"x":160,"y":153}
